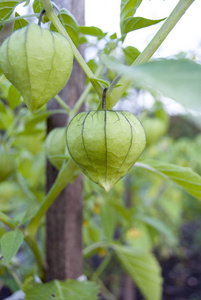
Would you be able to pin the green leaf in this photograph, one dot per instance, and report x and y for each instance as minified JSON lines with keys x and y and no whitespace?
{"x":108,"y":221}
{"x":13,"y":97}
{"x":59,"y":290}
{"x":121,"y":210}
{"x":38,"y":6}
{"x":70,"y":24}
{"x":144,"y":270}
{"x":10,"y":243}
{"x":113,"y":36}
{"x":128,"y":8}
{"x":185,"y":177}
{"x":6,"y":116}
{"x":177,"y":79}
{"x":134,"y":23}
{"x":6,"y":9}
{"x":92,"y":30}
{"x":19,"y":23}
{"x":26,"y":2}
{"x":130,"y":54}
{"x":158,"y":225}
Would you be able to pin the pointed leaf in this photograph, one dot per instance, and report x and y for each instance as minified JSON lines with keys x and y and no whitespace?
{"x":130,"y":54}
{"x":13,"y":97}
{"x":26,"y":3}
{"x":128,"y":8}
{"x":19,"y":23}
{"x":144,"y":269}
{"x":10,"y":243}
{"x":6,"y":9}
{"x":185,"y":177}
{"x":158,"y":225}
{"x":177,"y":79}
{"x":133,"y":23}
{"x":92,"y":30}
{"x":58,"y":290}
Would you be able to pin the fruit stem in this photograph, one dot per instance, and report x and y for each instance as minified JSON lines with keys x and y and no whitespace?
{"x":171,"y":21}
{"x":84,"y":94}
{"x":56,"y":22}
{"x":104,"y":99}
{"x":40,"y":17}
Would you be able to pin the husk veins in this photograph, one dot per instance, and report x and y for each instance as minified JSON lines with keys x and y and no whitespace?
{"x":37,"y":62}
{"x":105,"y":144}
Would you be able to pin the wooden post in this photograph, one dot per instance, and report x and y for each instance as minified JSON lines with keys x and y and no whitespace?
{"x":64,"y":218}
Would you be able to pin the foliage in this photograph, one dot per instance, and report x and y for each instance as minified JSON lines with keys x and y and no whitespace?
{"x":143,"y":211}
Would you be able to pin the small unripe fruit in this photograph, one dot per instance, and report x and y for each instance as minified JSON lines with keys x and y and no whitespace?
{"x":37,"y":62}
{"x":7,"y":165}
{"x":105,"y":144}
{"x":55,"y":147}
{"x":154,"y":128}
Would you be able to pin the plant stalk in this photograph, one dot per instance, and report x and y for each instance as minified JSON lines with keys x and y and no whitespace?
{"x":67,"y":173}
{"x":62,"y":103}
{"x":102,"y":266}
{"x":7,"y":221}
{"x":37,"y":253}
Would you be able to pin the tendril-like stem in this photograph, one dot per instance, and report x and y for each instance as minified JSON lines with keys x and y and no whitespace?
{"x":104,"y":99}
{"x":40,"y":17}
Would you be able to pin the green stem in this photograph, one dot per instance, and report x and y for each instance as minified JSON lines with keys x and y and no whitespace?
{"x":113,"y":95}
{"x":66,"y":174}
{"x":83,"y":96}
{"x":102,"y":266}
{"x":104,"y":290}
{"x":15,"y":277}
{"x":24,"y":186}
{"x":90,"y":249}
{"x":37,"y":253}
{"x":7,"y":221}
{"x":31,"y":242}
{"x":62,"y":103}
{"x":18,"y":18}
{"x":53,"y":18}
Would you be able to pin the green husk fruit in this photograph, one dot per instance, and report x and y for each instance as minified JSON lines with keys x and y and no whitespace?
{"x":55,"y":147}
{"x":38,"y":62}
{"x":105,"y":144}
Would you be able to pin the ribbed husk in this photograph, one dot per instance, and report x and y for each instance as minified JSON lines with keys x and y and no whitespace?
{"x":37,"y":62}
{"x":105,"y":144}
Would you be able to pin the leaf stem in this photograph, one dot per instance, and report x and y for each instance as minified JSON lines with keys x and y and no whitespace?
{"x":18,"y":18}
{"x":66,"y":174}
{"x":29,"y":240}
{"x":15,"y":277}
{"x":114,"y":94}
{"x":102,"y":266}
{"x":7,"y":221}
{"x":90,"y":249}
{"x":62,"y":103}
{"x":53,"y":18}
